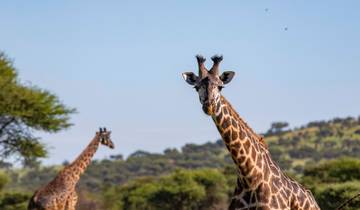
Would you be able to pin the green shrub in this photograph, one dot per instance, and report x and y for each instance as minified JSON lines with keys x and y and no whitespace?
{"x":330,"y":196}
{"x":14,"y":201}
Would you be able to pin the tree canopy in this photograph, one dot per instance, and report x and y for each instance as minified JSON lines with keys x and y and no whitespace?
{"x":277,"y":128}
{"x":23,"y":110}
{"x":182,"y":189}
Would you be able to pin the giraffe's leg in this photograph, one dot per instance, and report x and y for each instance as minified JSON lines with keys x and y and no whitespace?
{"x":71,"y":201}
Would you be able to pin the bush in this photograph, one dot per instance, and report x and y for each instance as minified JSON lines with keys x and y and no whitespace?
{"x":183,"y":189}
{"x":330,"y":196}
{"x":14,"y":201}
{"x":340,"y":170}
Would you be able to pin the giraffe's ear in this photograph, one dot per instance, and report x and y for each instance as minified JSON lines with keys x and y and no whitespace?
{"x":190,"y":78}
{"x":227,"y":76}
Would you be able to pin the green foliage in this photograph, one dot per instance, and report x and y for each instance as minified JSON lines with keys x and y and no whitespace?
{"x":116,"y":198}
{"x":14,"y":201}
{"x":330,"y":196}
{"x":23,"y":109}
{"x":323,"y":155}
{"x":334,"y":182}
{"x":3,"y":180}
{"x":292,"y":150}
{"x":184,"y":190}
{"x":340,"y":170}
{"x":178,"y":190}
{"x":315,"y":141}
{"x":31,"y":179}
{"x":216,"y":188}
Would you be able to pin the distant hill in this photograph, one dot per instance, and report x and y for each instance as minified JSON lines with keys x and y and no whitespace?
{"x":315,"y":141}
{"x":293,"y":149}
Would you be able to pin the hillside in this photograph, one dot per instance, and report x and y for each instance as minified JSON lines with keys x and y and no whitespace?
{"x":299,"y":151}
{"x":292,"y":149}
{"x":315,"y":141}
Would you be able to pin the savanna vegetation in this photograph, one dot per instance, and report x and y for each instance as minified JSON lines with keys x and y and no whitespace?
{"x":323,"y":155}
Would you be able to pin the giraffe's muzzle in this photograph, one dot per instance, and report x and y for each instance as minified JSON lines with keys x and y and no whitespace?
{"x":207,"y":108}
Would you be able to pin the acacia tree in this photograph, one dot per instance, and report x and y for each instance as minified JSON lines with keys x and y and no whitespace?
{"x":23,"y":110}
{"x":277,"y":128}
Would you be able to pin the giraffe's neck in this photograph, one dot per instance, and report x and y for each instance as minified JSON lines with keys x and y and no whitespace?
{"x":246,"y":147}
{"x":78,"y":166}
{"x":260,"y":180}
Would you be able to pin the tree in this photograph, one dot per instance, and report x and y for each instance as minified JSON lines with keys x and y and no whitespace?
{"x":23,"y":110}
{"x":117,"y":157}
{"x":13,"y":200}
{"x":216,"y":188}
{"x":177,"y":191}
{"x":183,"y":189}
{"x":277,"y":128}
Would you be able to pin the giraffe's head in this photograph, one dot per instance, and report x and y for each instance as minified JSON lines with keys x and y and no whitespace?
{"x":208,"y":83}
{"x":105,"y":139}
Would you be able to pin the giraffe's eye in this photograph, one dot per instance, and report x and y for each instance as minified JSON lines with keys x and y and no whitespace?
{"x":220,"y":87}
{"x":197,"y":88}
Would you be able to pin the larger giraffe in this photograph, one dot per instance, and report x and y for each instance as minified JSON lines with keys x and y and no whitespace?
{"x":260,"y":184}
{"x":60,"y":193}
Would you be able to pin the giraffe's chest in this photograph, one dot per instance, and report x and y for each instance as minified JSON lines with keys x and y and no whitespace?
{"x":54,"y":202}
{"x":53,"y":198}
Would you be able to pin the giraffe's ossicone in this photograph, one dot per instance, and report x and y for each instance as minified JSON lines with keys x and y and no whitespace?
{"x":60,"y":193}
{"x":260,"y":184}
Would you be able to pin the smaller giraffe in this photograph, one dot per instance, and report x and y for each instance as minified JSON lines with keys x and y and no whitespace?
{"x":60,"y":193}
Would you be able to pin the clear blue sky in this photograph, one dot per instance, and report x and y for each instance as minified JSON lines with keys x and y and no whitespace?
{"x":120,"y":62}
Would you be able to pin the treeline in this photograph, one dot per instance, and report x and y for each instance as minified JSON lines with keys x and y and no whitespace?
{"x":323,"y":155}
{"x":332,"y":183}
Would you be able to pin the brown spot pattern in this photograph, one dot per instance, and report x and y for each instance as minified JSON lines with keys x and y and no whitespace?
{"x":263,"y":185}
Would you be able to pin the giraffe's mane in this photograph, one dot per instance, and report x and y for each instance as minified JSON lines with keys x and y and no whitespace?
{"x":260,"y":139}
